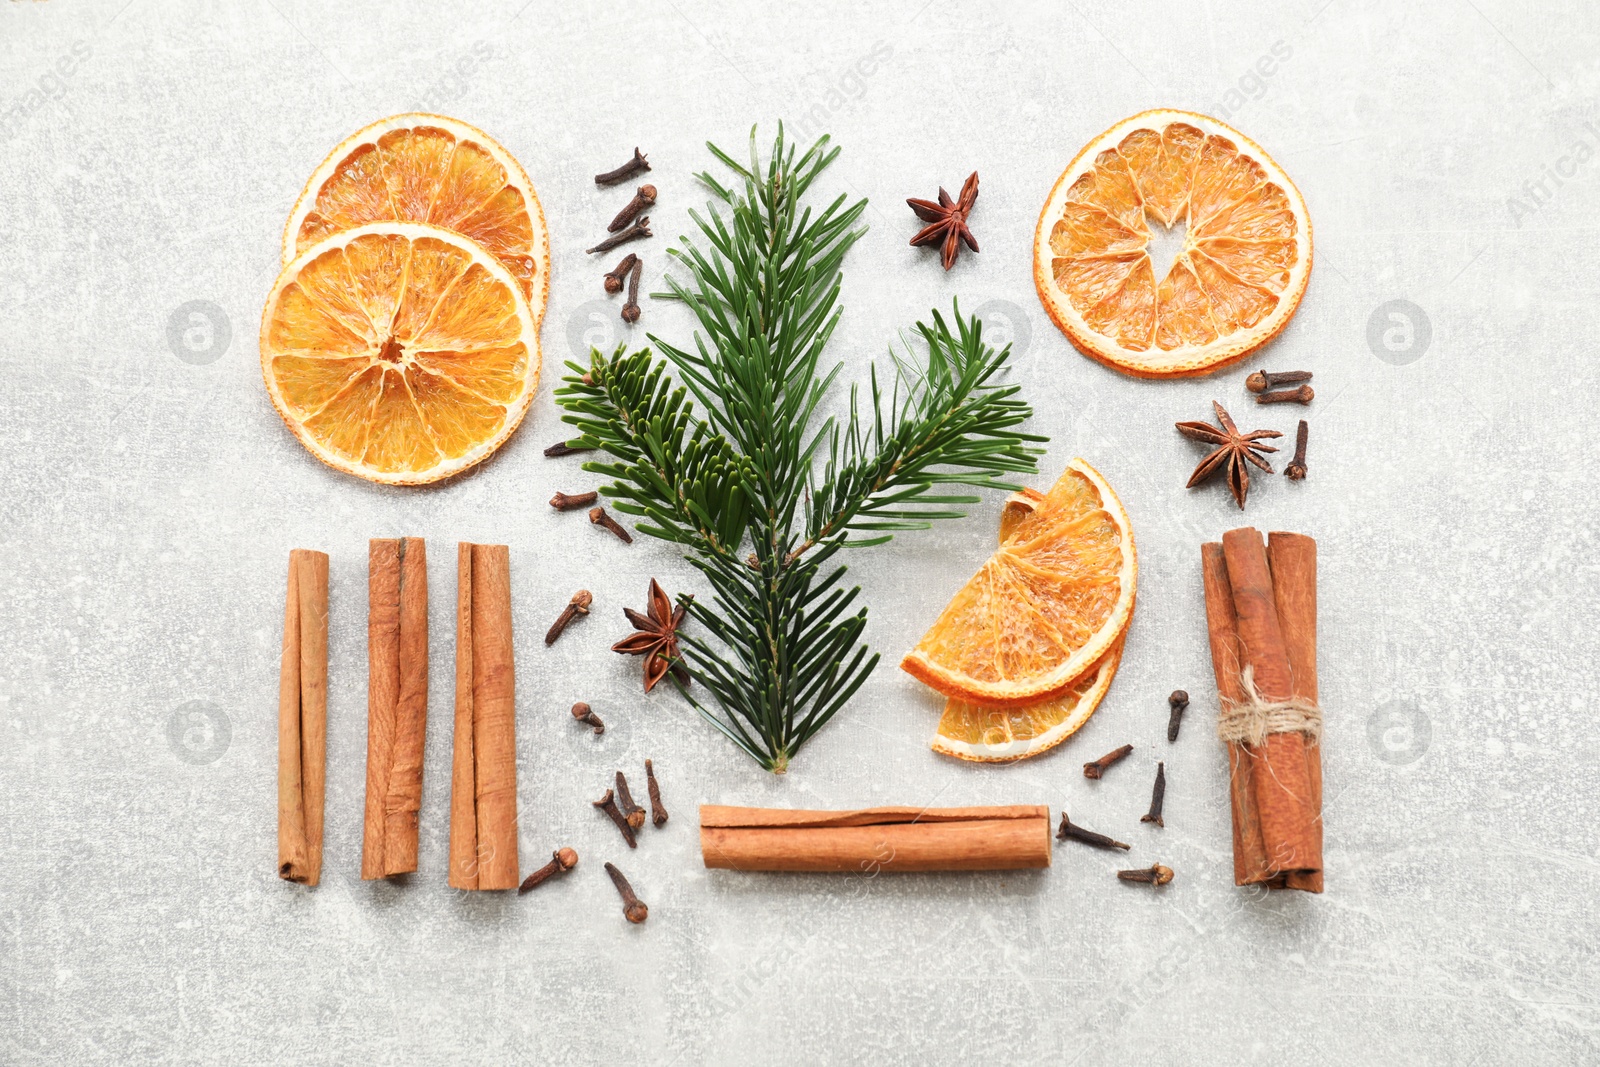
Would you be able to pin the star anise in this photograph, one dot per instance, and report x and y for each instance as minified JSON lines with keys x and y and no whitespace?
{"x":656,"y":638}
{"x":947,"y":221}
{"x":1233,"y":448}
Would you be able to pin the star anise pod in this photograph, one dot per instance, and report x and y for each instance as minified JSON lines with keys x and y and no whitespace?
{"x":1233,"y":448}
{"x":947,"y":221}
{"x":656,"y":638}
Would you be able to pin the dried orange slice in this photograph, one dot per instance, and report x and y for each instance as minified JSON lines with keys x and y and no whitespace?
{"x":1236,"y":282}
{"x":1045,"y":607}
{"x":428,"y":168}
{"x":1000,"y":735}
{"x":399,"y":352}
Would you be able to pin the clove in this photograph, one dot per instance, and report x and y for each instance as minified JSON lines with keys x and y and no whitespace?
{"x":630,"y":310}
{"x":640,"y":228}
{"x":585,"y":714}
{"x":625,"y":803}
{"x":642,"y":199}
{"x":658,"y":810}
{"x":578,"y":605}
{"x":1296,"y":469}
{"x":618,"y":275}
{"x":1178,"y":701}
{"x":608,"y":804}
{"x":1262,"y":380}
{"x":562,"y":860}
{"x":565,"y":448}
{"x":1302,"y":395}
{"x":565,"y":502}
{"x":637,"y":165}
{"x":1158,"y":797}
{"x":1070,"y":831}
{"x":1098,"y":767}
{"x":635,"y":909}
{"x":1156,"y":874}
{"x":599,"y":517}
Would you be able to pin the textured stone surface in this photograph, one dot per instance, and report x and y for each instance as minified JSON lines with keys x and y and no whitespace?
{"x":151,"y":496}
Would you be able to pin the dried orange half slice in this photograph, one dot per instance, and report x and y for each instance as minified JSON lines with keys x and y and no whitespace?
{"x":428,"y":168}
{"x":1045,"y":607}
{"x":1000,"y":735}
{"x":399,"y":352}
{"x":1238,"y":279}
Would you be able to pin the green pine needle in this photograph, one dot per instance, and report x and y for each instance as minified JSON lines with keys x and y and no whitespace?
{"x":714,"y":448}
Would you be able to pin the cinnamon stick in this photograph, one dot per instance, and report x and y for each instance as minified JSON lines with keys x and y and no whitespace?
{"x":397,"y":702}
{"x":1282,"y":782}
{"x":303,"y":718}
{"x":1250,"y":865}
{"x":483,"y":797}
{"x":875,"y":839}
{"x":1293,"y":558}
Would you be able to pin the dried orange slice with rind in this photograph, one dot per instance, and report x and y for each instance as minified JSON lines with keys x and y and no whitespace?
{"x":1244,"y":264}
{"x":982,"y":734}
{"x":429,"y":168}
{"x":399,"y":352}
{"x":1045,"y":607}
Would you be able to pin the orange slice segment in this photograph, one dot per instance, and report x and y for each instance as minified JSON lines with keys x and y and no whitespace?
{"x":428,"y":168}
{"x":1240,"y":276}
{"x":983,"y":734}
{"x":1045,"y":607}
{"x":399,"y":352}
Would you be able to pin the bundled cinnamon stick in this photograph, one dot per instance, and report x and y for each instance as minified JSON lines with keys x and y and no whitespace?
{"x":1261,"y":615}
{"x":483,"y":782}
{"x":875,"y":839}
{"x":397,"y":702}
{"x":303,"y":718}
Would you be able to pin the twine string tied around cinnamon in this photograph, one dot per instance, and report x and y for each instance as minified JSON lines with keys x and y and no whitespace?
{"x":1249,"y":721}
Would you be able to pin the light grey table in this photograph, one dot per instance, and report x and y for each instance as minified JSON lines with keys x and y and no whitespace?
{"x":1447,"y":150}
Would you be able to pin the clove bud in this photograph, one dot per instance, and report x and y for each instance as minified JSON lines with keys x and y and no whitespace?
{"x":1262,"y":380}
{"x":578,"y":605}
{"x":641,"y":200}
{"x":658,"y":810}
{"x":625,"y":803}
{"x":635,"y":909}
{"x":1073,"y":832}
{"x":630,"y":310}
{"x":1296,"y":470}
{"x":640,"y":228}
{"x":619,"y":274}
{"x":585,"y":714}
{"x":637,"y":165}
{"x":562,"y":860}
{"x":1098,"y":767}
{"x":1158,"y":797}
{"x":608,"y":804}
{"x":1155,"y":875}
{"x":1178,"y":701}
{"x":599,"y":517}
{"x":564,"y":448}
{"x":1302,"y":395}
{"x":574,"y":501}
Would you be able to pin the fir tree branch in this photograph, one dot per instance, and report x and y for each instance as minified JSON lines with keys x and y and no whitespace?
{"x":777,"y":647}
{"x":955,"y":426}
